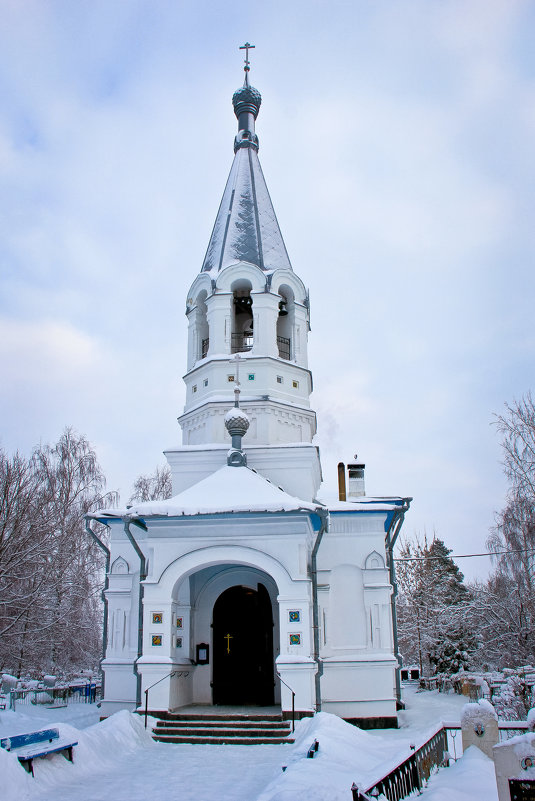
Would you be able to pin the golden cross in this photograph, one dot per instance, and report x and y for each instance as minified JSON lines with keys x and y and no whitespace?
{"x":247,"y":47}
{"x":228,"y":638}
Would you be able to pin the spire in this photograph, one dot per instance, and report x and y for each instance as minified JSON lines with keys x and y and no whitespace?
{"x":246,"y":227}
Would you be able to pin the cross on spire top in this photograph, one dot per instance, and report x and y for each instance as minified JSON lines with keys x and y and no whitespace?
{"x":247,"y":63}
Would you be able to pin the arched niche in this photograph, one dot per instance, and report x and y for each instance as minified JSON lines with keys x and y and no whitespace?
{"x":120,"y":565}
{"x":374,"y":561}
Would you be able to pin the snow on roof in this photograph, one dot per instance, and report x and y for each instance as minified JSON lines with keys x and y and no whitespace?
{"x":229,"y":489}
{"x":362,"y":504}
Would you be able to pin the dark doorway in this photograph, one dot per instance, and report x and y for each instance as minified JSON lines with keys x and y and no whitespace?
{"x":243,"y":647}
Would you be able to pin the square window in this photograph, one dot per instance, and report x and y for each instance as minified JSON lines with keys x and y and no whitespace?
{"x":279,"y":379}
{"x":179,"y":622}
{"x":295,"y":384}
{"x":179,"y":642}
{"x":205,"y":382}
{"x":156,"y":639}
{"x":294,"y":616}
{"x":230,"y":379}
{"x":157,"y":617}
{"x":251,"y":376}
{"x":295,"y":639}
{"x":194,"y":388}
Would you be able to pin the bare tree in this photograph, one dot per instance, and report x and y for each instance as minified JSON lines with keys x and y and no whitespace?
{"x":49,"y":569}
{"x":517,"y":426}
{"x":154,"y":487}
{"x":510,"y":593}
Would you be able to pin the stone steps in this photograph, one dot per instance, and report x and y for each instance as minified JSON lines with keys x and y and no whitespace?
{"x":231,"y":729}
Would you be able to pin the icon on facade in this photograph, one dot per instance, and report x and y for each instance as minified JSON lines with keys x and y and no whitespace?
{"x":179,"y":642}
{"x":295,"y":639}
{"x":156,"y":639}
{"x":179,"y":622}
{"x":157,"y":617}
{"x":294,"y":616}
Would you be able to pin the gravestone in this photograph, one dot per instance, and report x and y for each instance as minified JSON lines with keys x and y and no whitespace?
{"x":479,"y":724}
{"x":514,"y":763}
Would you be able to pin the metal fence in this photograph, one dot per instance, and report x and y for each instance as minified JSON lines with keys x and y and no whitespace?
{"x":55,"y":696}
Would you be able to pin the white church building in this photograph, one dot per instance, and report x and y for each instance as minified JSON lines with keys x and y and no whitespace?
{"x":243,"y":587}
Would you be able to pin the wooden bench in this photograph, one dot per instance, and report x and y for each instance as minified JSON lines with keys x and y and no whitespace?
{"x":28,"y":747}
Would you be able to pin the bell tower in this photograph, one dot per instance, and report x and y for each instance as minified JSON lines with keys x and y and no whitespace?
{"x":248,"y":321}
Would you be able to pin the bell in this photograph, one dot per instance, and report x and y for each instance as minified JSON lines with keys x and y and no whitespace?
{"x":283,"y":311}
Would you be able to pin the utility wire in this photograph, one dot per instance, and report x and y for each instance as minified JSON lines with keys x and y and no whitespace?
{"x":459,"y":555}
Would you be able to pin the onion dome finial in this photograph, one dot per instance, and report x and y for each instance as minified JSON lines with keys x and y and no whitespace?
{"x":246,"y":101}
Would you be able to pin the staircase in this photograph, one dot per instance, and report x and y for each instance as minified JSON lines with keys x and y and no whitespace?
{"x":217,"y":729}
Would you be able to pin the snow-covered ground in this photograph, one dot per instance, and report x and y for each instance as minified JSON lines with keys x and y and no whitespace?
{"x":117,"y":759}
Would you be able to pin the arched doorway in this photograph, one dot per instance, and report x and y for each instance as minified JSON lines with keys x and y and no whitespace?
{"x":243,"y":647}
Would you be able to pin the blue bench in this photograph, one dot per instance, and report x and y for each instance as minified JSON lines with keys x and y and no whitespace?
{"x":28,"y":747}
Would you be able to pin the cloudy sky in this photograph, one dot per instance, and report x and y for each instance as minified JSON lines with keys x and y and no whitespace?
{"x":396,"y":137}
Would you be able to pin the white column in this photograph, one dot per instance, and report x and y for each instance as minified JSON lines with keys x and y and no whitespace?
{"x":265,"y":313}
{"x":219,"y":321}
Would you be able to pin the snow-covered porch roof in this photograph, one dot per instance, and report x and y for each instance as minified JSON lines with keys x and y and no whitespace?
{"x":229,"y":489}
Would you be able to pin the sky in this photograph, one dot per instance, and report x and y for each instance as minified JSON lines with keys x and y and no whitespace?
{"x":396,"y":137}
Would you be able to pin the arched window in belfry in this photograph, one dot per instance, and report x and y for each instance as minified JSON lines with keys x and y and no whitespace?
{"x":285,"y":322}
{"x":242,"y":317}
{"x":203,"y":336}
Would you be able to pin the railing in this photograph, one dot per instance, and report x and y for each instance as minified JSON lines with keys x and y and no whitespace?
{"x":241,"y":342}
{"x":177,"y":673}
{"x":73,"y":694}
{"x":409,"y":775}
{"x":283,"y":345}
{"x":293,"y":700}
{"x":204,"y":347}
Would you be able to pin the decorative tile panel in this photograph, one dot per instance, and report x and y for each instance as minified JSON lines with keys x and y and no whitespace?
{"x":295,"y":639}
{"x":157,"y":617}
{"x":157,"y":639}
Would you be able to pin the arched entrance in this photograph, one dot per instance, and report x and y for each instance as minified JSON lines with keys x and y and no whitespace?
{"x":243,"y":671}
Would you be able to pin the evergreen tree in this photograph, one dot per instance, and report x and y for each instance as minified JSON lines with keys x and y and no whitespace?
{"x":432,"y":605}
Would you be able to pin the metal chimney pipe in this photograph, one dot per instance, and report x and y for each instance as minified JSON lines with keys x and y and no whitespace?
{"x":341,"y":481}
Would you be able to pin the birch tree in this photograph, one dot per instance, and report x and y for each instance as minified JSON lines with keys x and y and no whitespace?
{"x":50,"y":571}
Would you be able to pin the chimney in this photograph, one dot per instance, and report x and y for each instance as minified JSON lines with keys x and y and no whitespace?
{"x":341,"y":481}
{"x":356,"y":487}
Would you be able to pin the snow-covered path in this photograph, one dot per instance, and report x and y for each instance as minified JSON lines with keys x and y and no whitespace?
{"x":178,"y":772}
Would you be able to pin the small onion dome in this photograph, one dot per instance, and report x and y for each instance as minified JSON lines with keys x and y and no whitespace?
{"x":236,"y":422}
{"x":246,"y":99}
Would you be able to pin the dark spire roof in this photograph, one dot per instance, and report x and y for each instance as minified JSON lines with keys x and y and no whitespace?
{"x":246,"y":228}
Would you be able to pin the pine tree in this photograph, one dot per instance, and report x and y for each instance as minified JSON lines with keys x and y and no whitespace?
{"x":432,"y":605}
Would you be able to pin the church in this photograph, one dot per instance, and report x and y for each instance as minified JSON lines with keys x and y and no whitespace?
{"x":244,"y":588}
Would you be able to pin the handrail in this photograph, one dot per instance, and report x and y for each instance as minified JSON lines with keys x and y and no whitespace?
{"x":293,"y":700}
{"x":169,"y":675}
{"x":409,"y":774}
